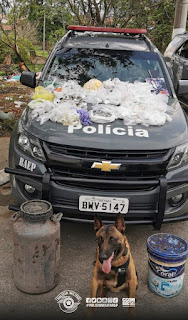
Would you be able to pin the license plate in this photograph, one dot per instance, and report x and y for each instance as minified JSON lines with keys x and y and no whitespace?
{"x":103,"y":204}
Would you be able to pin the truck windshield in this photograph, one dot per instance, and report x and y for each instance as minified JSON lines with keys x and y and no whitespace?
{"x":84,"y":64}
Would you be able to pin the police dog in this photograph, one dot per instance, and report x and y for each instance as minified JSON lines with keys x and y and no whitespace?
{"x":114,"y":268}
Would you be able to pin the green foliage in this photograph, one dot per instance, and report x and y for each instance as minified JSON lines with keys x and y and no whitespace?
{"x":55,"y":36}
{"x":24,"y":47}
{"x":156,"y":16}
{"x":56,"y":15}
{"x":162,"y":20}
{"x":3,"y":50}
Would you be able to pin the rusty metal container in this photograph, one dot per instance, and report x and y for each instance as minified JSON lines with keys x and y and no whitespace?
{"x":36,"y":236}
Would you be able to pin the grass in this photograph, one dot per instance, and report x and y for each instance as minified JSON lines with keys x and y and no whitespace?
{"x":35,"y":68}
{"x":39,"y":52}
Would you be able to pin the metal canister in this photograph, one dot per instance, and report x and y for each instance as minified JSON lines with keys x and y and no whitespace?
{"x":36,"y":257}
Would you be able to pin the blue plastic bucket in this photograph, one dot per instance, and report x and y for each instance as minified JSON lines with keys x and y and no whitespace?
{"x":166,"y":256}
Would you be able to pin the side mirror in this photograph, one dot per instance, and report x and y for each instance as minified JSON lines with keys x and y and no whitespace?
{"x":28,"y":79}
{"x":182,"y":87}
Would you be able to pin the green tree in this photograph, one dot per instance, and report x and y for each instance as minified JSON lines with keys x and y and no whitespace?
{"x":9,"y":39}
{"x":156,"y":16}
{"x":57,"y":17}
{"x":161,"y":23}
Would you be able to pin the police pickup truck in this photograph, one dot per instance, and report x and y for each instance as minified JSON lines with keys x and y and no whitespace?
{"x":139,"y":171}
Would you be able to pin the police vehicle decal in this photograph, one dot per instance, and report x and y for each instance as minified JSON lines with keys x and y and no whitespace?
{"x":27,"y":164}
{"x":107,"y":129}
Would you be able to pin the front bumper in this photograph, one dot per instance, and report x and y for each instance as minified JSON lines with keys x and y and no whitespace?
{"x":146,"y":206}
{"x":149,"y":199}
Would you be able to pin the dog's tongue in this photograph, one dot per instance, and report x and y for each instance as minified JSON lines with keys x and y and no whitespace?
{"x":106,"y":266}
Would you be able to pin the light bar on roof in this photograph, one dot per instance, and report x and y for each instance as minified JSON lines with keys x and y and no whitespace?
{"x":105,"y":29}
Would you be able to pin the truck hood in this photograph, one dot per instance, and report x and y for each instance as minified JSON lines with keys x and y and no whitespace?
{"x":113,"y":136}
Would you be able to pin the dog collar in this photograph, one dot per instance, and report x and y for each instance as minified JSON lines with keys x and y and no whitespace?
{"x":125,"y":251}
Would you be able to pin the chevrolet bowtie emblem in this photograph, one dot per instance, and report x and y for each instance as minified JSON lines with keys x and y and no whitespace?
{"x":106,"y":166}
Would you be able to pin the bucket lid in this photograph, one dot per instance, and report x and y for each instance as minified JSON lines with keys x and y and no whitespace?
{"x":36,"y":210}
{"x":167,"y":245}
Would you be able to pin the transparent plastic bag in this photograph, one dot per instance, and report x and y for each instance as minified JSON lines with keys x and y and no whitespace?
{"x":93,"y":84}
{"x":65,"y":113}
{"x":132,"y":102}
{"x":58,"y":93}
{"x":42,"y":93}
{"x":102,"y":114}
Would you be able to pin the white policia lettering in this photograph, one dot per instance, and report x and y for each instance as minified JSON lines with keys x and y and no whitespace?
{"x":27,"y":164}
{"x":101,"y":129}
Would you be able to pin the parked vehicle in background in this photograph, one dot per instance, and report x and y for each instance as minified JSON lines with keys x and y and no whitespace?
{"x":176,"y":56}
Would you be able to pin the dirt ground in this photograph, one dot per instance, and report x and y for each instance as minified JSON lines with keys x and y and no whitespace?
{"x":4,"y":152}
{"x":9,"y":93}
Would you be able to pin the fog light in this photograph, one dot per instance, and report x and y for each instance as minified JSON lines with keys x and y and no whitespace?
{"x":176,"y":200}
{"x":29,"y":188}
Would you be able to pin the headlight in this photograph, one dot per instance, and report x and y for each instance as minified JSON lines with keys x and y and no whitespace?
{"x":180,"y":157}
{"x":31,"y":146}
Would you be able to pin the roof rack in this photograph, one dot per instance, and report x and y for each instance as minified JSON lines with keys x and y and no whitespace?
{"x":105,"y":29}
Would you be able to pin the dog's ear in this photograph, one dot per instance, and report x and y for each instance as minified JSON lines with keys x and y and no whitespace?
{"x":119,"y":223}
{"x":97,"y":223}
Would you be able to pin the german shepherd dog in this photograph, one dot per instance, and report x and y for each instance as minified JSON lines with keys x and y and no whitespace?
{"x":114,"y":268}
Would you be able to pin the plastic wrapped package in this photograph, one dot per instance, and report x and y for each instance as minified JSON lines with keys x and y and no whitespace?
{"x":42,"y":118}
{"x":92,"y":98}
{"x":150,"y":117}
{"x":164,"y":96}
{"x":65,"y":113}
{"x":58,"y":93}
{"x":39,"y":103}
{"x":129,"y":118}
{"x":129,"y":121}
{"x":42,"y":93}
{"x":111,"y":84}
{"x":93,"y":84}
{"x":114,"y":98}
{"x":54,"y":85}
{"x":102,"y":114}
{"x":40,"y":107}
{"x":41,"y":110}
{"x":71,"y":90}
{"x":66,"y":117}
{"x":154,"y":118}
{"x":133,"y":102}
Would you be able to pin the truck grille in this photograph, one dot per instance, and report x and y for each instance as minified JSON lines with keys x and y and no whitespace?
{"x":86,"y":153}
{"x":75,"y":163}
{"x":95,"y":184}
